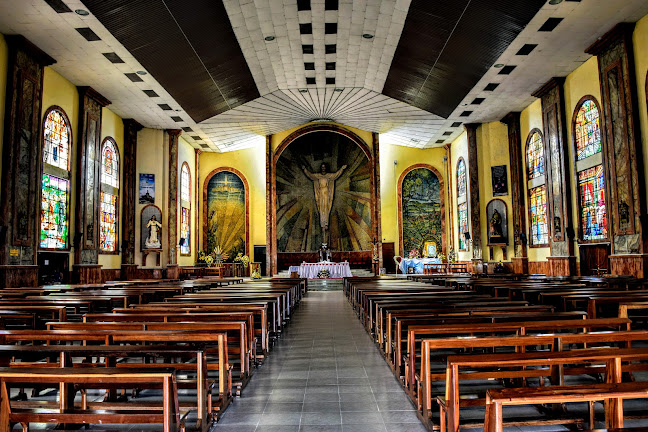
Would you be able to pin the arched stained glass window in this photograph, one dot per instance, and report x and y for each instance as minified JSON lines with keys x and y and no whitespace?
{"x":538,"y":211}
{"x":109,"y":197}
{"x":535,"y":156}
{"x":462,"y":204}
{"x":590,"y":169}
{"x":55,"y":191}
{"x":185,"y":215}
{"x":587,"y":130}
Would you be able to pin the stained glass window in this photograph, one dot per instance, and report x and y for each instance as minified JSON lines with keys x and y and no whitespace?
{"x":185,"y":217}
{"x":461,"y":178}
{"x":110,"y":164}
{"x":462,"y":222}
{"x":185,"y":183}
{"x":538,"y":207}
{"x":588,"y":132}
{"x":535,"y":156}
{"x":591,"y":188}
{"x":54,"y":213}
{"x":57,"y":140}
{"x":108,"y":222}
{"x":55,"y":192}
{"x":108,"y":212}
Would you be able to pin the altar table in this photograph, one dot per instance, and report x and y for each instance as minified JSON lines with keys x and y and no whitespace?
{"x":337,"y":270}
{"x":416,"y":264}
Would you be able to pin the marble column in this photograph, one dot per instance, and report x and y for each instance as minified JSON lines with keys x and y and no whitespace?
{"x":562,"y":261}
{"x":129,"y":192}
{"x":474,"y":211}
{"x":376,"y":216}
{"x":520,"y":260}
{"x":21,"y":163}
{"x":173,"y":272}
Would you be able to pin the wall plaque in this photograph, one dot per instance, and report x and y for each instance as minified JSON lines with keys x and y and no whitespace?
{"x":499,"y":180}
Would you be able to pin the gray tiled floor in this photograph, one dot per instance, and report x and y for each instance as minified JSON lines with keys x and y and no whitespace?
{"x":325,"y":374}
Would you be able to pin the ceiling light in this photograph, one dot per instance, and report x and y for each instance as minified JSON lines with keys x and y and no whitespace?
{"x":339,"y":89}
{"x":82,"y":12}
{"x":499,"y":65}
{"x":141,"y":72}
{"x":303,"y":91}
{"x":555,"y":2}
{"x":178,"y":110}
{"x":269,"y":38}
{"x":321,"y":120}
{"x":368,"y":36}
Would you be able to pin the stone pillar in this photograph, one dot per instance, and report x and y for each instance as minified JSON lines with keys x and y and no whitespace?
{"x":88,"y":174}
{"x":561,"y":231}
{"x":271,"y":208}
{"x":129,"y":192}
{"x":623,"y":152}
{"x":173,"y":272}
{"x":449,"y":173}
{"x":375,"y":192}
{"x":21,"y":163}
{"x":520,"y":260}
{"x":474,"y":210}
{"x":198,"y":194}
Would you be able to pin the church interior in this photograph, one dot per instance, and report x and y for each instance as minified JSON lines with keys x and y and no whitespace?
{"x":324,"y":215}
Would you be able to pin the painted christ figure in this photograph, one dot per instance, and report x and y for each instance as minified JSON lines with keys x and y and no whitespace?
{"x":324,"y":186}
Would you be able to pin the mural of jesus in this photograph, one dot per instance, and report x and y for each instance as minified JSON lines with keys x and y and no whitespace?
{"x":324,"y":186}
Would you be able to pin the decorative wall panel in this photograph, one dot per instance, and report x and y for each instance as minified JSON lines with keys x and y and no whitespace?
{"x":421,"y":210}
{"x":129,"y":190}
{"x":172,"y":222}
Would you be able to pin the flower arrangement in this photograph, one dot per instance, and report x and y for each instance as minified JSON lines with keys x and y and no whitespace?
{"x":209,"y":260}
{"x":441,"y":256}
{"x":256,"y":275}
{"x":452,"y":256}
{"x":324,"y":274}
{"x":414,"y":253}
{"x":218,"y":255}
{"x":243,"y":259}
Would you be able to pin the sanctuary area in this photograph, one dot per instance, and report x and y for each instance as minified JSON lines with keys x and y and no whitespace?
{"x":324,"y":215}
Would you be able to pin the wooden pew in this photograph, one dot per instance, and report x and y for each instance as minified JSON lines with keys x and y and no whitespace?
{"x":66,"y":379}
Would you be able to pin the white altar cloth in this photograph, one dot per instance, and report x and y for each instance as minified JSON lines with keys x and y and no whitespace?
{"x":337,"y":270}
{"x":417,"y":264}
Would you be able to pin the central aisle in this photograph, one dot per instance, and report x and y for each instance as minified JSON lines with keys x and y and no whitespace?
{"x":325,"y":374}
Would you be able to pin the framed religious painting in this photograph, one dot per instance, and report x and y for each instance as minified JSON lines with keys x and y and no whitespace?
{"x":147,"y":188}
{"x":499,"y":180}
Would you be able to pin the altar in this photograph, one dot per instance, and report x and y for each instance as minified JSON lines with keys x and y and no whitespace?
{"x":337,"y":270}
{"x":416,"y":264}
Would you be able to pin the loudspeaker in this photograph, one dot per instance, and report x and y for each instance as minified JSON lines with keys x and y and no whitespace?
{"x":523,"y":238}
{"x":467,"y":235}
{"x":181,"y":242}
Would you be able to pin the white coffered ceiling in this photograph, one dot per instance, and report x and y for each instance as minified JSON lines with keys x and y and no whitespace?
{"x":278,"y":67}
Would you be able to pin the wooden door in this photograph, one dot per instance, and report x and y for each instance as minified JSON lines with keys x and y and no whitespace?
{"x":594,"y":259}
{"x":388,"y":257}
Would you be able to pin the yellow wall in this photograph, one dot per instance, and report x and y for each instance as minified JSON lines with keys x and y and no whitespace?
{"x":277,"y":138}
{"x":640,"y":40}
{"x":251,"y":163}
{"x":459,"y":149}
{"x":152,"y":158}
{"x":4,"y":64}
{"x":187,"y":154}
{"x":531,"y":118}
{"x":390,"y":172}
{"x":112,"y":126}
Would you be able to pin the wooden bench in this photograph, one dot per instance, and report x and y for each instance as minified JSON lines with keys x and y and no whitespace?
{"x":617,"y":392}
{"x":69,"y":380}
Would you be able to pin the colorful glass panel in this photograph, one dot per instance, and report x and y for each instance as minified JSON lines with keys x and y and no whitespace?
{"x":184,"y":183}
{"x":461,"y":178}
{"x":54,"y":213}
{"x":462,"y":217}
{"x":57,"y":140}
{"x":185,"y":249}
{"x":108,"y":222}
{"x":535,"y":156}
{"x":591,"y":188}
{"x":110,"y":164}
{"x":588,"y":132}
{"x":538,"y":206}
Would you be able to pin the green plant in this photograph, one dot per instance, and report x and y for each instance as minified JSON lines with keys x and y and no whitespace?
{"x":256,"y":274}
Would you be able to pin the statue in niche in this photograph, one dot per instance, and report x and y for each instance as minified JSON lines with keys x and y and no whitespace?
{"x":624,"y":215}
{"x":324,"y":253}
{"x":496,"y":235}
{"x":324,"y":186}
{"x":557,"y":228}
{"x":153,"y":240}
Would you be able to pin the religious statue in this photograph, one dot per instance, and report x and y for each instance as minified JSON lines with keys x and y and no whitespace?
{"x":496,"y":227}
{"x":324,"y":253}
{"x":324,"y":186}
{"x":154,"y":227}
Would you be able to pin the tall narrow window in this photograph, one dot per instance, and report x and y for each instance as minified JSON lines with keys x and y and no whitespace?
{"x":590,"y":172}
{"x":108,"y":217}
{"x":536,"y":183}
{"x":55,"y":192}
{"x":185,"y":215}
{"x":462,"y":205}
